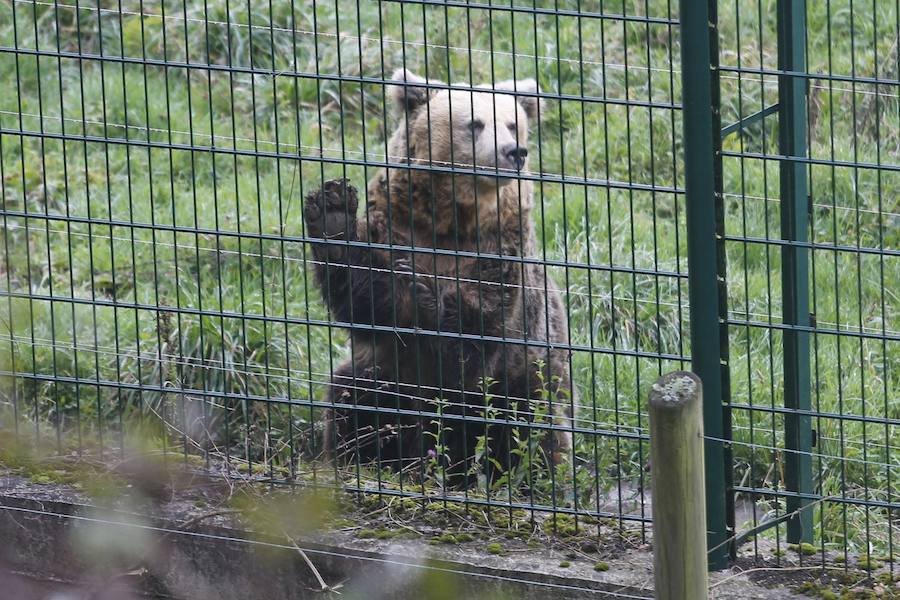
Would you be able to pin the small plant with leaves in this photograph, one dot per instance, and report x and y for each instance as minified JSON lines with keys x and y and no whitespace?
{"x":436,"y":458}
{"x":484,"y":464}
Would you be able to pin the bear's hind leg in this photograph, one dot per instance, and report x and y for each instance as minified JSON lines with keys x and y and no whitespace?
{"x":367,"y":428}
{"x":350,"y":433}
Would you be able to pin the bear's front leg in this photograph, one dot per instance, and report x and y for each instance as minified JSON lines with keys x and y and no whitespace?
{"x":426,"y":306}
{"x":363,"y":284}
{"x":488,"y":297}
{"x":342,"y":271}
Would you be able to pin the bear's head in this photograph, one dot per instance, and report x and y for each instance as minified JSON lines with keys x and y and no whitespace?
{"x":464,"y":129}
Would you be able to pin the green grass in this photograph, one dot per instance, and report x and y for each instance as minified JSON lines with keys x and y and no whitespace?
{"x":93,"y":253}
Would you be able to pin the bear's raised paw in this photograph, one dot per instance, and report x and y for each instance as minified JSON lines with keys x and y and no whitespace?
{"x":330,"y":212}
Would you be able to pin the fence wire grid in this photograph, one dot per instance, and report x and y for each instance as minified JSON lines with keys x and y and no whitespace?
{"x":241,"y":232}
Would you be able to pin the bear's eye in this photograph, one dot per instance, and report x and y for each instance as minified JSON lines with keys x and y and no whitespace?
{"x":476,"y":126}
{"x":512,"y":128}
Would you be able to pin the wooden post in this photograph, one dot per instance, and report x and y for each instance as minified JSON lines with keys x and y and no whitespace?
{"x":679,"y":508}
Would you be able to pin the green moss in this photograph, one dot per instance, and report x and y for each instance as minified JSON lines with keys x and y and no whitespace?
{"x":869,"y":563}
{"x":465,"y":537}
{"x":447,"y":538}
{"x":408,"y":534}
{"x":385,"y":534}
{"x":494,"y":548}
{"x":371,"y":502}
{"x":817,"y":590}
{"x":804,"y":549}
{"x":601,"y":566}
{"x":520,"y":515}
{"x":886,"y":578}
{"x":565,"y":564}
{"x":366,"y":534}
{"x":567,"y":531}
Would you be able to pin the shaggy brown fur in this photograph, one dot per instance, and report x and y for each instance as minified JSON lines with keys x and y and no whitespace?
{"x":457,"y":286}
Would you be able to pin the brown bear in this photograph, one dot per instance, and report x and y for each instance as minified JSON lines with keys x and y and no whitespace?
{"x":446,"y":317}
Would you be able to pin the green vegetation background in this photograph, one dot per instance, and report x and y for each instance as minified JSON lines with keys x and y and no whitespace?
{"x":143,"y":221}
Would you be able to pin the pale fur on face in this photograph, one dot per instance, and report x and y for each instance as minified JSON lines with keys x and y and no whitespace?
{"x":461,"y":128}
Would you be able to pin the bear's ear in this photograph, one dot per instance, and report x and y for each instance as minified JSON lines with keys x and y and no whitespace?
{"x":408,"y":96}
{"x":529,"y":86}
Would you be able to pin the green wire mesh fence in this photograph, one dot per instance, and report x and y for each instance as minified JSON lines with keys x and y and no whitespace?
{"x":178,"y":268}
{"x":810,"y":237}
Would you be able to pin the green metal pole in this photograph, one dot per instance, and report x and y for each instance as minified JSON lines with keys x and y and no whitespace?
{"x":699,"y":59}
{"x":795,"y":264}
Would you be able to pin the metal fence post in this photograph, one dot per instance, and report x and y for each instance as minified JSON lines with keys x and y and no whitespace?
{"x":699,"y":49}
{"x":792,"y":142}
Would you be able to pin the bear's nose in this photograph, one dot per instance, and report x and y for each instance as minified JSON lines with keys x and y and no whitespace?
{"x":516,"y":155}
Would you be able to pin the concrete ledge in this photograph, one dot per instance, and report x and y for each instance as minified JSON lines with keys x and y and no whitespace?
{"x":46,"y":542}
{"x":185,"y":543}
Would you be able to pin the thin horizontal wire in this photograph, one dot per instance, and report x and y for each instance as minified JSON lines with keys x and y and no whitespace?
{"x":335,"y":77}
{"x":532,"y":10}
{"x":620,"y":428}
{"x":809,"y":75}
{"x":381,"y":155}
{"x":772,"y":82}
{"x":637,"y":429}
{"x":419,"y":250}
{"x":389,"y":41}
{"x":841,"y":416}
{"x":280,"y":146}
{"x":880,"y":335}
{"x":558,"y":508}
{"x":844,"y":164}
{"x":330,"y":553}
{"x":838,"y":328}
{"x":412,"y":43}
{"x":198,"y":134}
{"x":326,"y":381}
{"x":804,"y":453}
{"x":841,"y":89}
{"x":356,"y":326}
{"x":549,"y":425}
{"x":210,"y":363}
{"x":834,"y":328}
{"x":624,"y":298}
{"x":813,"y":245}
{"x":351,"y":37}
{"x":845,"y":499}
{"x":777,"y":200}
{"x":492,"y":172}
